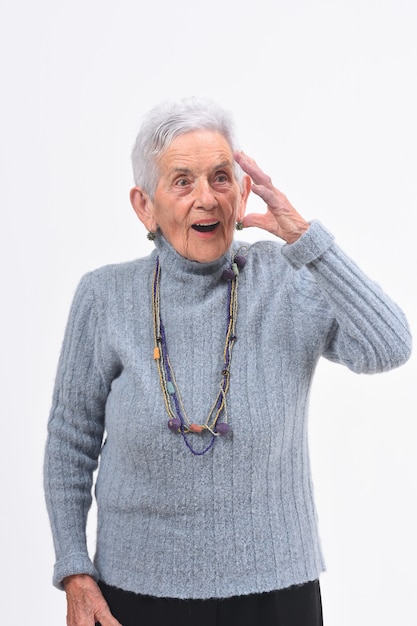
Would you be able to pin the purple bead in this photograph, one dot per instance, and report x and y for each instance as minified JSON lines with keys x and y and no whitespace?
{"x":174,"y":423}
{"x":240,"y":261}
{"x":222,"y":428}
{"x":228,"y":275}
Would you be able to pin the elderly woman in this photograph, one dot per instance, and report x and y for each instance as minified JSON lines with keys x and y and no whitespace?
{"x":187,"y":375}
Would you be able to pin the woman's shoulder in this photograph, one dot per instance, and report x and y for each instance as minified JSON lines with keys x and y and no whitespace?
{"x":118,"y":271}
{"x":114,"y":282}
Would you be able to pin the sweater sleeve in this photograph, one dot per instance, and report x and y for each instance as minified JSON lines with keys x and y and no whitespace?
{"x":75,"y":433}
{"x":370,"y":332}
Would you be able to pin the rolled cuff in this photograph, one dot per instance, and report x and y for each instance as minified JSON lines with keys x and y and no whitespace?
{"x":309,"y":247}
{"x":79,"y":563}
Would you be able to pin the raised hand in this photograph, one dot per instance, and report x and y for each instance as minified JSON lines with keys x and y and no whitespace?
{"x":280,"y":219}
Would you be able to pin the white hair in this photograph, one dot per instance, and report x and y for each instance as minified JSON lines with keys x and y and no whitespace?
{"x":167,"y":121}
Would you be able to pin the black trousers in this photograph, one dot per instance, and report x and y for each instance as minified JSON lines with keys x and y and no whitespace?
{"x":295,"y":606}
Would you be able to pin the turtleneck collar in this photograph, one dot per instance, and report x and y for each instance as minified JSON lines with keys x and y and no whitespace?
{"x":175,"y":264}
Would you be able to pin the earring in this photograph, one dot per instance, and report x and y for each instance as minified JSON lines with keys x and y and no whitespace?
{"x":239,"y":226}
{"x":151,"y":235}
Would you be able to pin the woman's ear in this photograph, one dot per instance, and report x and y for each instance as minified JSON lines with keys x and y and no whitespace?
{"x":143,"y":207}
{"x":245,"y":190}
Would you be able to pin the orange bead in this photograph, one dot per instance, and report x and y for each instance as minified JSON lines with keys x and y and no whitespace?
{"x":195,"y":428}
{"x":156,"y":353}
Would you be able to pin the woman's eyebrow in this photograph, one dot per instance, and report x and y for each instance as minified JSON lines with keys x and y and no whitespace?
{"x":187,"y":170}
{"x":222,"y":165}
{"x":179,"y":170}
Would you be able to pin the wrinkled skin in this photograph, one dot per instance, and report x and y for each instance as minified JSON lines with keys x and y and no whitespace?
{"x":85,"y":603}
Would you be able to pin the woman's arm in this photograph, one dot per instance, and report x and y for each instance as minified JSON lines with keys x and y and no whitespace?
{"x":75,"y":433}
{"x":370,"y":333}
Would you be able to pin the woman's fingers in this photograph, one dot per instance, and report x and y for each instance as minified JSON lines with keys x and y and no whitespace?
{"x":262,"y":183}
{"x":105,"y":618}
{"x":281,"y":218}
{"x":86,"y":605}
{"x":270,"y":195}
{"x":261,"y":220}
{"x":250,"y":167}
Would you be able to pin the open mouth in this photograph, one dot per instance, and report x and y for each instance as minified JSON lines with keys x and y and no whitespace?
{"x":205,"y":228}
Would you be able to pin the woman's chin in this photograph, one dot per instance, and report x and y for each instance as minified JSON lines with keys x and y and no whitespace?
{"x":204,"y":247}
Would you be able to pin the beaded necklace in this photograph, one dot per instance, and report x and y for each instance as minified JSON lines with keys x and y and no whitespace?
{"x":178,"y":419}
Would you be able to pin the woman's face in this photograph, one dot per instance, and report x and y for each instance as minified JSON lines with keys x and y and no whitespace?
{"x":198,"y":199}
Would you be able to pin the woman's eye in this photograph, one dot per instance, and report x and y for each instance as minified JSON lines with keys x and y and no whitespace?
{"x":182,"y":182}
{"x":221,"y":178}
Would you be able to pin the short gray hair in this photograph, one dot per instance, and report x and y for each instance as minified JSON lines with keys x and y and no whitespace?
{"x":167,"y":121}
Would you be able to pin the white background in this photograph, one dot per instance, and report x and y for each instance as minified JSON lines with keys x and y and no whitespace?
{"x":324,"y":96}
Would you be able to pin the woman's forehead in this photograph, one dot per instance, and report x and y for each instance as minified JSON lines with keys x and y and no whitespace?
{"x":198,"y":149}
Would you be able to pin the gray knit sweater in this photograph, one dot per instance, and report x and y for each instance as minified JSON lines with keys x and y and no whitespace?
{"x":241,"y":518}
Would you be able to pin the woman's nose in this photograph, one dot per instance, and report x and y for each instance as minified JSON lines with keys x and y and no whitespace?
{"x":204,"y":196}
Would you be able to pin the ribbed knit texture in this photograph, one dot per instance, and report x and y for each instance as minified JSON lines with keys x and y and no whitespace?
{"x":240,"y":519}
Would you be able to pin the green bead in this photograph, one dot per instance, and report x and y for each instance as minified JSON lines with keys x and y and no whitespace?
{"x":170,"y":388}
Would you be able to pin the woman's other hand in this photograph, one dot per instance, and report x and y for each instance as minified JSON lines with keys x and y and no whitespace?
{"x":280,"y":219}
{"x":85,"y":603}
